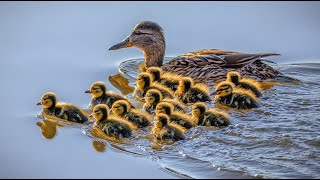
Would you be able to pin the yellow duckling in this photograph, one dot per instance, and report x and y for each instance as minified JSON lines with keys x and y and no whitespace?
{"x":165,"y":130}
{"x":144,"y":83}
{"x":209,"y":117}
{"x":100,"y":95}
{"x":112,"y":126}
{"x":238,"y":98}
{"x":167,"y":79}
{"x":245,"y":83}
{"x":69,"y":112}
{"x":122,"y":108}
{"x":189,"y":93}
{"x":175,"y":116}
{"x":154,"y":96}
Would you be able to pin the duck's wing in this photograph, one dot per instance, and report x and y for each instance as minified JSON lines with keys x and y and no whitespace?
{"x":240,"y":60}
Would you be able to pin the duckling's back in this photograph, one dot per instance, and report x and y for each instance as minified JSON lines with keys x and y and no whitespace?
{"x":117,"y":129}
{"x":70,"y":112}
{"x":252,"y":85}
{"x":138,"y":118}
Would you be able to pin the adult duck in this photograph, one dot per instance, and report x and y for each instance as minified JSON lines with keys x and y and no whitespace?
{"x":206,"y":66}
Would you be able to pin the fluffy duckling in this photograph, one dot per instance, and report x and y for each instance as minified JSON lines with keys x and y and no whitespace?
{"x":144,"y":83}
{"x":189,"y":93}
{"x":236,"y":98}
{"x":167,"y":79}
{"x":69,"y":112}
{"x":165,"y":130}
{"x":100,"y":95}
{"x":122,"y":108}
{"x":245,"y":83}
{"x":112,"y":126}
{"x":175,"y":116}
{"x":209,"y":117}
{"x":154,"y":96}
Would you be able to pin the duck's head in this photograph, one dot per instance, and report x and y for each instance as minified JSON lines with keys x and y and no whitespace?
{"x":48,"y":100}
{"x":161,"y":120}
{"x":234,"y":77}
{"x":143,"y":81}
{"x":164,"y":107}
{"x":224,"y":89}
{"x":97,"y":89}
{"x":153,"y":96}
{"x":149,"y":37}
{"x":155,"y":72}
{"x":198,"y":109}
{"x":185,"y":84}
{"x":120,"y":107}
{"x":100,"y":112}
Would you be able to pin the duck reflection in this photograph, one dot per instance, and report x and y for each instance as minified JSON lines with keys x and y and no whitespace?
{"x":48,"y":128}
{"x":99,"y":146}
{"x":121,"y":83}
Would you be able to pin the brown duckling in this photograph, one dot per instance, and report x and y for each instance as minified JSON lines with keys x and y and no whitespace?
{"x":209,"y":117}
{"x":175,"y":116}
{"x":166,"y":130}
{"x":189,"y":93}
{"x":205,"y":66}
{"x":245,"y":83}
{"x":100,"y":95}
{"x":154,"y":96}
{"x":144,"y":83}
{"x":167,"y":79}
{"x":112,"y":126}
{"x":70,"y":112}
{"x":239,"y":98}
{"x":122,"y":108}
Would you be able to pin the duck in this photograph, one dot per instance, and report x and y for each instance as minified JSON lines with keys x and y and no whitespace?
{"x":69,"y":112}
{"x":206,"y":66}
{"x":122,"y":109}
{"x":245,"y":83}
{"x":144,"y":83}
{"x":154,"y":96}
{"x":100,"y":95}
{"x":211,"y":117}
{"x":112,"y":126}
{"x":164,"y":129}
{"x":167,"y":79}
{"x":175,"y":116}
{"x":228,"y":95}
{"x":188,"y":92}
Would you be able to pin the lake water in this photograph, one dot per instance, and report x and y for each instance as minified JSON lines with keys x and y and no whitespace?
{"x":62,"y":47}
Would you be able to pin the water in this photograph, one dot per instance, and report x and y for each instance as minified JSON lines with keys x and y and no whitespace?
{"x":62,"y":47}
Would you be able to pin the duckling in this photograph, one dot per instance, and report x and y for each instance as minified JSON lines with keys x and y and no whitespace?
{"x":167,"y":79}
{"x":100,"y":95}
{"x":209,"y":117}
{"x":154,"y":96}
{"x":235,"y":97}
{"x":245,"y":83}
{"x":122,"y":108}
{"x":189,"y":93}
{"x":112,"y":126}
{"x":205,"y":66}
{"x":69,"y":112}
{"x":144,"y":83}
{"x":175,"y":116}
{"x":166,"y":130}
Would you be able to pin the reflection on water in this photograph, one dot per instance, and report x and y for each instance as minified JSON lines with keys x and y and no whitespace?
{"x":48,"y":128}
{"x":121,"y":83}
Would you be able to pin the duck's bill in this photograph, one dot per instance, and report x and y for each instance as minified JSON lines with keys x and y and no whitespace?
{"x":124,"y":44}
{"x":88,"y":92}
{"x":39,"y":103}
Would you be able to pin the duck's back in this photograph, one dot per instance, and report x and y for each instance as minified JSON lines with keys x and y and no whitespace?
{"x":70,"y":112}
{"x":138,"y":118}
{"x":117,"y":129}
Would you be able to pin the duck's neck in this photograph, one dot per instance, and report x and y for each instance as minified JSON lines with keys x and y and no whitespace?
{"x":154,"y":54}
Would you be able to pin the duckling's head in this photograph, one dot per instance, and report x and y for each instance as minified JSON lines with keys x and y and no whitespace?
{"x":198,"y":109}
{"x":234,"y":77}
{"x":143,"y":80}
{"x":224,"y":89}
{"x":97,"y":89}
{"x":100,"y":112}
{"x":120,"y":107}
{"x":164,"y":107}
{"x":155,"y":72}
{"x":153,"y":96}
{"x":161,"y":120}
{"x":149,"y":37}
{"x":48,"y":100}
{"x":185,"y":84}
